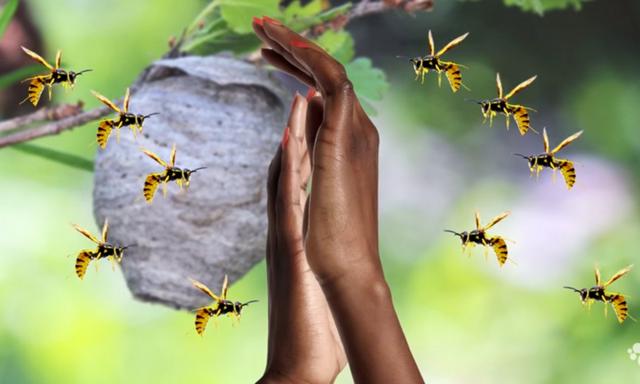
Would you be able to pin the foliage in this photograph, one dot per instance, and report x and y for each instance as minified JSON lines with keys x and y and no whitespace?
{"x":6,"y":14}
{"x":225,"y":25}
{"x":541,"y":6}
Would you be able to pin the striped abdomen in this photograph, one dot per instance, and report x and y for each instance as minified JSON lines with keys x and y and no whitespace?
{"x":521,"y":116}
{"x":500,"y":248}
{"x":151,"y":185}
{"x":104,"y":131}
{"x":36,"y":86}
{"x":454,"y":76}
{"x":82,"y":262}
{"x":202,"y":318}
{"x":568,"y":172}
{"x":619,"y":304}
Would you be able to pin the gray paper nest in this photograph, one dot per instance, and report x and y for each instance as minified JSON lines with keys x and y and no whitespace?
{"x":221,"y":113}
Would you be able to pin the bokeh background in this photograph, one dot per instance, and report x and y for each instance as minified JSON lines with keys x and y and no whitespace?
{"x":466,"y":319}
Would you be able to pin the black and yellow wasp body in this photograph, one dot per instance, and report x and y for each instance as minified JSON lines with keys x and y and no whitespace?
{"x":599,"y":292}
{"x":480,"y":236}
{"x":221,"y":306}
{"x":56,"y":75}
{"x":548,"y":160}
{"x":490,"y":108}
{"x":125,"y":119}
{"x":104,"y":250}
{"x":433,"y":62}
{"x":181,"y":176}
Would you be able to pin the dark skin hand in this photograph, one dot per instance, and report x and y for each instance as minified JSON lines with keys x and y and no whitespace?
{"x":341,"y":216}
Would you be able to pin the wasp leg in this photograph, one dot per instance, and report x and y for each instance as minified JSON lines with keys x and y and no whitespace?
{"x":424,"y":73}
{"x":164,"y":189}
{"x":490,"y":119}
{"x":439,"y":79}
{"x":508,"y":118}
{"x":113,"y":263}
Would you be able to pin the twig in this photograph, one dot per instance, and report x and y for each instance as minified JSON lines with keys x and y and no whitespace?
{"x":50,"y":113}
{"x":55,"y":127}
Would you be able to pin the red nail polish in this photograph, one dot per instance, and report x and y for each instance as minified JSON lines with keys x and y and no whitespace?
{"x":285,"y":138}
{"x":299,"y":44}
{"x":271,"y":21}
{"x":310,"y":93}
{"x":257,"y":21}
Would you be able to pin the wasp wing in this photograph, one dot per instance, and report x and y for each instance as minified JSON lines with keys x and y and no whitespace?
{"x":545,"y":140}
{"x":155,"y":157}
{"x":172,"y":158}
{"x":82,"y":262}
{"x":125,"y":106}
{"x":520,"y":87}
{"x":598,"y":276}
{"x":58,"y":58}
{"x":106,"y":101}
{"x":225,"y":287}
{"x":432,"y":47}
{"x":497,"y":219}
{"x":105,"y":230}
{"x":618,"y":275}
{"x":87,"y":234}
{"x":204,"y":289}
{"x":452,"y":44}
{"x":202,"y":318}
{"x":37,"y":58}
{"x":566,"y":142}
{"x":477,"y":220}
{"x":499,"y":85}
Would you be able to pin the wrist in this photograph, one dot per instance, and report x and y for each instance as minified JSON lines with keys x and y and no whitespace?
{"x":273,"y":377}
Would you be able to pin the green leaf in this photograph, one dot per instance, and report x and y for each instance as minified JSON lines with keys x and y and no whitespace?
{"x":18,"y":75}
{"x":370,"y":83}
{"x":541,"y":6}
{"x":6,"y":14}
{"x":339,"y":44}
{"x":239,"y":13}
{"x":295,"y":10}
{"x":56,"y":156}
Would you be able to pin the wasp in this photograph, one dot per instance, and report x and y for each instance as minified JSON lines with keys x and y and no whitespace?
{"x":57,"y":75}
{"x":422,"y":65}
{"x":599,"y":293}
{"x":171,"y":173}
{"x":500,"y":104}
{"x":479,"y":236}
{"x":221,"y":306}
{"x":548,"y":159}
{"x":124,"y":119}
{"x":105,"y":249}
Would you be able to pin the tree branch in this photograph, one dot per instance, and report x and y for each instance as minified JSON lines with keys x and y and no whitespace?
{"x":65,"y":123}
{"x":50,"y":113}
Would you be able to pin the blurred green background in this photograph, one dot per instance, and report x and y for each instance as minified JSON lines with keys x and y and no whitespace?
{"x":466,"y":319}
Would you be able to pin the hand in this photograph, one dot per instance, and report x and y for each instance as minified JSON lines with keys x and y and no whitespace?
{"x":304,"y":345}
{"x":342,"y":215}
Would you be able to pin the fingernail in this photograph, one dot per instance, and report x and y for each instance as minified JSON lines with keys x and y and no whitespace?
{"x":271,"y":21}
{"x":285,"y":138}
{"x":310,"y":93}
{"x":257,"y":21}
{"x":299,"y":44}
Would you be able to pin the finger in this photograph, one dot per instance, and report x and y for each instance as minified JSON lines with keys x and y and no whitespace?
{"x":272,"y":190}
{"x":258,"y":28}
{"x":275,"y":59}
{"x":315,"y":115}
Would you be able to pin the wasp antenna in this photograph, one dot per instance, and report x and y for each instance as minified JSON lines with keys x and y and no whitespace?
{"x":249,"y":302}
{"x":573,"y":289}
{"x":197,"y":169}
{"x":473,"y":101}
{"x":151,"y":114}
{"x":521,"y":155}
{"x":83,"y":71}
{"x":454,"y":232}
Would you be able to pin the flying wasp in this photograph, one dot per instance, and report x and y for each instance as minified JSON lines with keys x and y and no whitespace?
{"x":171,"y":173}
{"x":500,"y":104}
{"x":422,"y":65}
{"x":479,"y":236}
{"x":599,"y":293}
{"x":221,"y":306}
{"x":125,"y":118}
{"x":548,"y":159}
{"x":57,"y":75}
{"x":105,"y":249}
